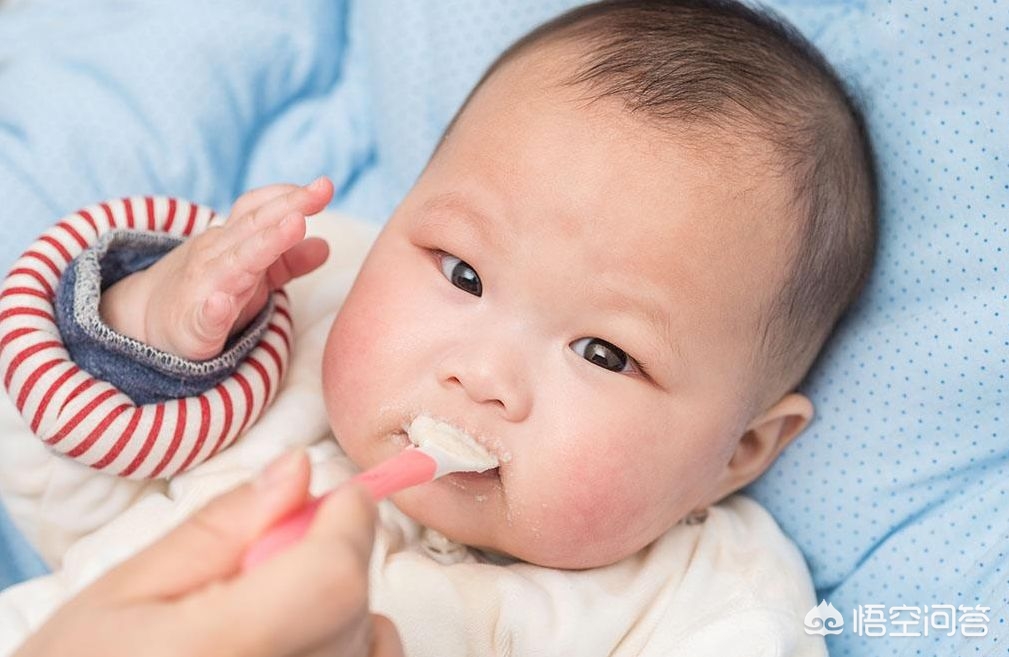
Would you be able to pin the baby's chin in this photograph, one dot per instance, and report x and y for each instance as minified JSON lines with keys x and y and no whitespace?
{"x":465,"y":507}
{"x":500,"y":535}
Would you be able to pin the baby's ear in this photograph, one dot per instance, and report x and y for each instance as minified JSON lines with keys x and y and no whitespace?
{"x":763,"y":440}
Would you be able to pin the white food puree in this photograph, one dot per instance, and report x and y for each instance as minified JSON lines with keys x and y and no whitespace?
{"x":452,"y":444}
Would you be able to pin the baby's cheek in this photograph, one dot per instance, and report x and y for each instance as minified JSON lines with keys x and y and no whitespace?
{"x":596,"y":519}
{"x":352,"y":364}
{"x":346,"y":349}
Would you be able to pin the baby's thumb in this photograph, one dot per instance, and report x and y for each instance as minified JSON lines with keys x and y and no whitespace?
{"x":209,"y":545}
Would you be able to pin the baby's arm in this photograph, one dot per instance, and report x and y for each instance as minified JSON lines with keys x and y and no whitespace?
{"x":76,"y":388}
{"x":194,"y":298}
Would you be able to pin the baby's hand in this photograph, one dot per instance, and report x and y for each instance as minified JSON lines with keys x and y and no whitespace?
{"x":209,"y":287}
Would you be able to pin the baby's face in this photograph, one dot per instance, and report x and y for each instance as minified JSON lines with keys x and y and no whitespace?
{"x":581,"y":295}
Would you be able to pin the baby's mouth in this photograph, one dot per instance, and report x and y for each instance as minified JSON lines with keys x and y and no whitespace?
{"x":469,"y":460}
{"x":449,"y":439}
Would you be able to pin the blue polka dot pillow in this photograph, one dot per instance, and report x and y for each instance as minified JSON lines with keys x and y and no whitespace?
{"x":898,"y":494}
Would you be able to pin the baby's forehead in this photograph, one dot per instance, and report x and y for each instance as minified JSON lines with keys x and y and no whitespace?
{"x":742,"y":147}
{"x":616,"y":184}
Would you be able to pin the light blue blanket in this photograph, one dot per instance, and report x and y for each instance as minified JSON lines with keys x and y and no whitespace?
{"x":897,"y":495}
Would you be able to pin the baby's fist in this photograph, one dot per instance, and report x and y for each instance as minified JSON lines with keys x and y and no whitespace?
{"x":193,"y":299}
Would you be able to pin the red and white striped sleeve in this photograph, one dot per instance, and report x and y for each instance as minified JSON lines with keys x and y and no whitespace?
{"x":91,"y":421}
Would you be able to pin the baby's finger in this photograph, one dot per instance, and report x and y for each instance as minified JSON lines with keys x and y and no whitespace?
{"x":305,"y":256}
{"x":254,"y":198}
{"x":212,"y":323}
{"x":252,"y":305}
{"x":242,"y":266}
{"x":307,"y":200}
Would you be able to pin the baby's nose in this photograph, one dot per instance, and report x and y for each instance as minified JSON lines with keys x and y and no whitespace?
{"x":489,"y":375}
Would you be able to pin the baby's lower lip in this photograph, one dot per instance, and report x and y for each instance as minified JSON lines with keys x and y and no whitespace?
{"x":460,"y":479}
{"x":487,"y":478}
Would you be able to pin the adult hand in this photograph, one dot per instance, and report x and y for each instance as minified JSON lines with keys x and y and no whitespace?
{"x":186,"y":596}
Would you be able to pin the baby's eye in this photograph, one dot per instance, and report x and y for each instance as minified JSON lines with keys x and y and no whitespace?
{"x":603,"y":354}
{"x":461,"y":274}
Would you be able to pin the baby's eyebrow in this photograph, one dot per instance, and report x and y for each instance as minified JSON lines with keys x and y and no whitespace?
{"x":645,"y":307}
{"x":455,"y":203}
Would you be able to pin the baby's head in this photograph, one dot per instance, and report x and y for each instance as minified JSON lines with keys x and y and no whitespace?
{"x":622,"y":259}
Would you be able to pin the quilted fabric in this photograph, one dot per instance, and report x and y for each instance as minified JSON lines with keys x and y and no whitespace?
{"x":88,"y":419}
{"x":897,"y":494}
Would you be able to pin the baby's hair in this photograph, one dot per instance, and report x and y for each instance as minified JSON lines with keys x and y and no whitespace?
{"x":717,"y":68}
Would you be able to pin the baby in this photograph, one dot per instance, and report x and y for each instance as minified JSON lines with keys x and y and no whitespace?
{"x":622,"y":258}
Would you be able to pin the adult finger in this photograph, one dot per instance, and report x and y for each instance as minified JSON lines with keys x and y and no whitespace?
{"x":209,"y":546}
{"x":348,"y":514}
{"x":311,"y":595}
{"x":385,"y":641}
{"x":383,"y":637}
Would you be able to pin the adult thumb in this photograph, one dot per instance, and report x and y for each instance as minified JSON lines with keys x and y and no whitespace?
{"x":385,"y":640}
{"x":209,"y":545}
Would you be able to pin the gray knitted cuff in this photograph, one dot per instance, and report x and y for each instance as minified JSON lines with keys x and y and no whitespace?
{"x":119,"y":253}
